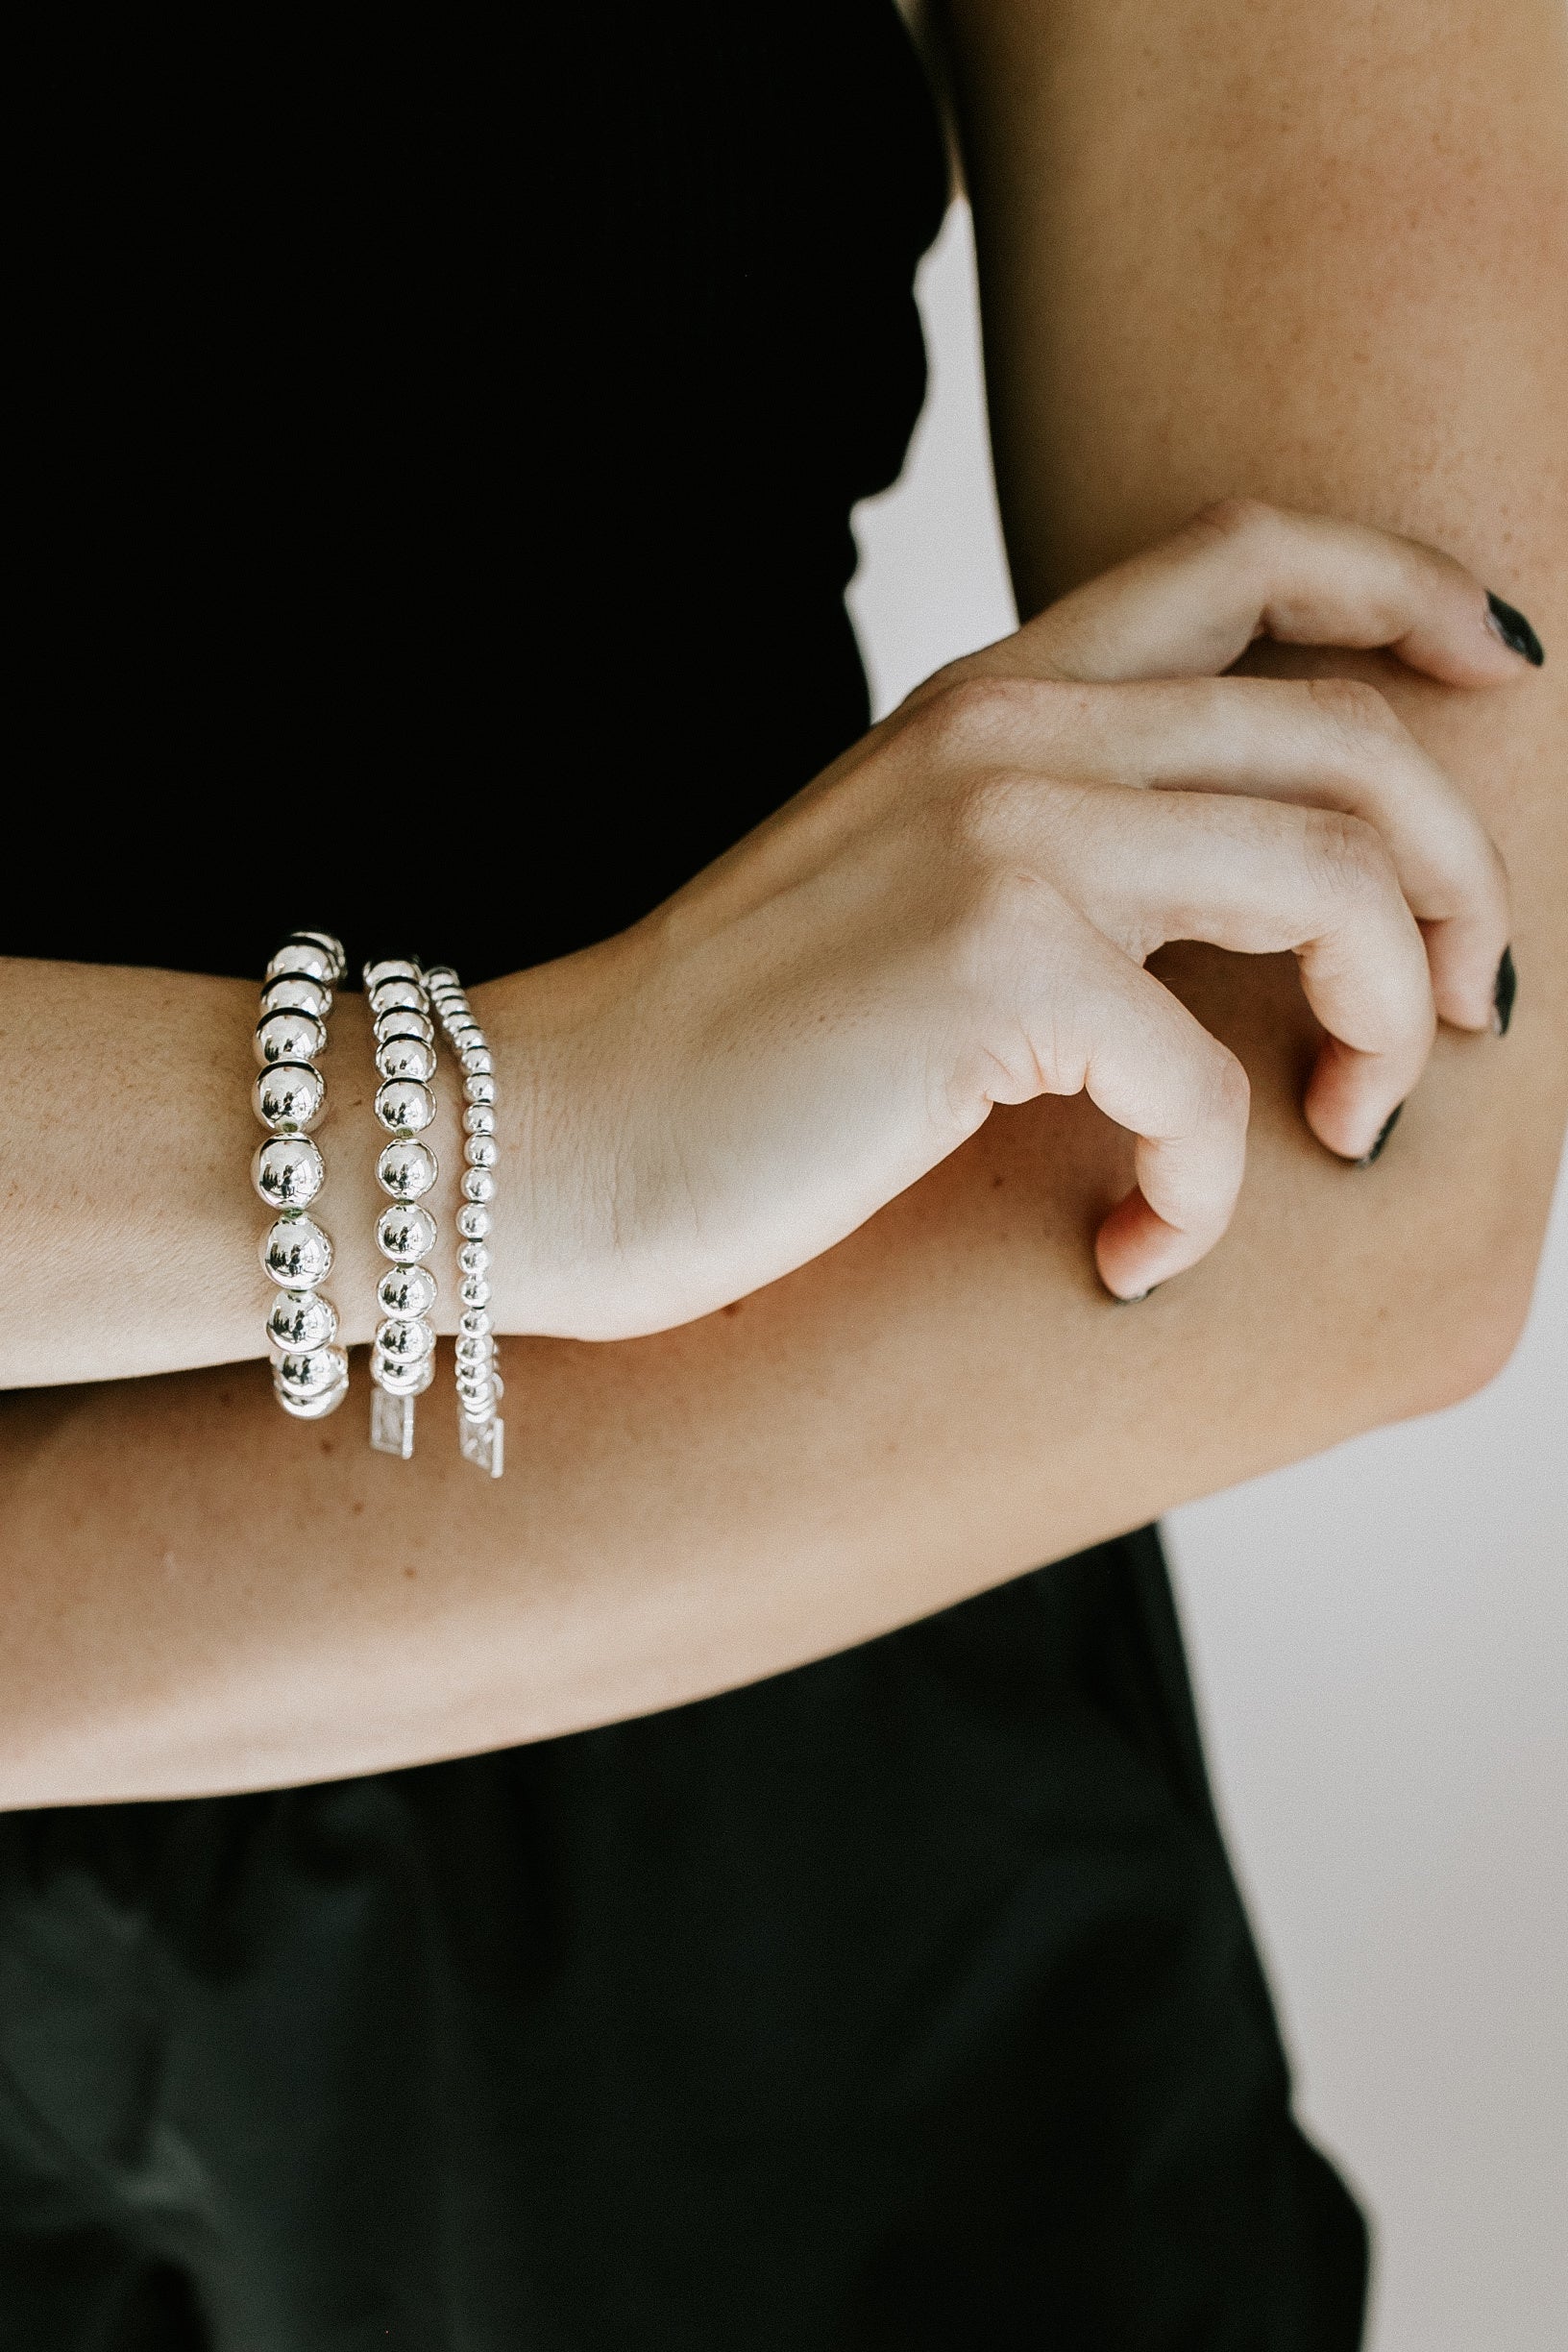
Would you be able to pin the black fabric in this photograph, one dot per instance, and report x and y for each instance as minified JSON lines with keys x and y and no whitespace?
{"x":464,"y":408}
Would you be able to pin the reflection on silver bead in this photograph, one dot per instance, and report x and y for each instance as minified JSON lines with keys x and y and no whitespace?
{"x":479,"y":1184}
{"x":474,"y":1323}
{"x":313,"y":1408}
{"x":405,"y":1056}
{"x":404,"y":1024}
{"x":476,"y":1059}
{"x":474,"y":1258}
{"x":301,"y":1321}
{"x":473,"y":1222}
{"x":405,"y":1105}
{"x":403,"y":1378}
{"x":482,"y":1151}
{"x":297,"y":996}
{"x":289,"y":1037}
{"x":479,"y":1118}
{"x":288,"y":1171}
{"x":407,"y":1170}
{"x":397,"y":997}
{"x":307,"y":959}
{"x":390,"y":968}
{"x":329,"y":945}
{"x":290,"y":1094}
{"x":297,"y":1254}
{"x":473,"y":1290}
{"x":474,"y":1351}
{"x":406,"y":1291}
{"x":310,"y":1375}
{"x":479,"y":1088}
{"x":439,"y":976}
{"x":406,"y":1232}
{"x":405,"y":1339}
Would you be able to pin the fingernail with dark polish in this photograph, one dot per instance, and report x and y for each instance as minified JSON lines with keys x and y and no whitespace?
{"x":1503,"y":996}
{"x":1384,"y":1132}
{"x":1514,"y":630}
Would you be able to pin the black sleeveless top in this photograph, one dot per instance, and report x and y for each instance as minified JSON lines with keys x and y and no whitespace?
{"x":440,"y":408}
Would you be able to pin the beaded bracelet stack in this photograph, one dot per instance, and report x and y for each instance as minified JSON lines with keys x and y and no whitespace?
{"x":402,"y":1361}
{"x":309,"y":1374}
{"x":481,"y":1434}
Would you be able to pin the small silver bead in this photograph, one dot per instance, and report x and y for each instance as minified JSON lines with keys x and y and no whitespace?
{"x":473,"y":1290}
{"x":293,"y":995}
{"x":461,"y":1027}
{"x":289,"y":1037}
{"x":405,"y":1339}
{"x":438,"y":975}
{"x":407,"y":1170}
{"x":479,"y":1088}
{"x":477,"y":1061}
{"x":405,"y":1056}
{"x":480,"y":1407}
{"x":479,"y":1118}
{"x":474,"y":1258}
{"x":288,"y":1171}
{"x":472,"y":1220}
{"x":304,"y":959}
{"x":311,"y":1409}
{"x":397,"y":997}
{"x":405,"y":1105}
{"x":300,"y":1321}
{"x":311,"y":1374}
{"x":406,"y":1232}
{"x":479,"y":1184}
{"x":290,"y":1094}
{"x":407,"y":1291}
{"x":404,"y":1024}
{"x":390,"y":968}
{"x":402,"y":1379}
{"x":482,"y":1151}
{"x":474,"y":1323}
{"x":297,"y":1254}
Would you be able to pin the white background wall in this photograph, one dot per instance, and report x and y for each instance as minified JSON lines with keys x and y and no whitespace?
{"x":1380,"y":1640}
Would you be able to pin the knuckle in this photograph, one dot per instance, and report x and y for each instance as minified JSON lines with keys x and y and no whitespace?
{"x":990,"y":812}
{"x":1227,"y":1089}
{"x":1235,"y":518}
{"x":1354,"y":711}
{"x":961,"y":720}
{"x":1349,"y":854}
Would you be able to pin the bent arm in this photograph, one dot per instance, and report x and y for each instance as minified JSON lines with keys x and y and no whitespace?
{"x":199,"y":1597}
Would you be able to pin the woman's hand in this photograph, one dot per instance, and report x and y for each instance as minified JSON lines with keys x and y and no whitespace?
{"x":958,"y":912}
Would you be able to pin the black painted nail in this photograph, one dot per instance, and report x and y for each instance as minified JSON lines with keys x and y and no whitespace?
{"x":1504,"y":994}
{"x":1514,"y":630}
{"x":1384,"y":1132}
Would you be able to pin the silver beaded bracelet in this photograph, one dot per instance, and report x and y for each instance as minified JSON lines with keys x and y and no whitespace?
{"x":402,"y":1361}
{"x":309,"y":1373}
{"x":480,"y":1431}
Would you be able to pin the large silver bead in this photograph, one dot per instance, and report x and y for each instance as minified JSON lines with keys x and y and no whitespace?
{"x":407,"y":1168}
{"x":479,"y":1184}
{"x":290,"y":1094}
{"x":474,"y":1220}
{"x":403,"y":1023}
{"x":482,"y":1151}
{"x":473,"y":1290}
{"x":405,"y":1056}
{"x":479,"y":1118}
{"x":479,"y":1088}
{"x":406,"y":1232}
{"x":405,"y":1105}
{"x":289,"y":1037}
{"x":390,"y":968}
{"x":301,"y":1320}
{"x":329,"y":945}
{"x":304,"y":959}
{"x":297,"y":1254}
{"x":474,"y":1258}
{"x":288,"y":1171}
{"x":407,"y":1291}
{"x":402,"y":1379}
{"x":294,"y":994}
{"x":311,"y":1409}
{"x":405,"y":1339}
{"x":310,"y":1375}
{"x":397,"y":997}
